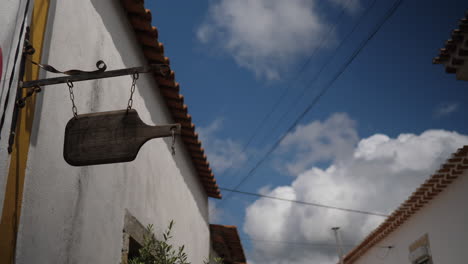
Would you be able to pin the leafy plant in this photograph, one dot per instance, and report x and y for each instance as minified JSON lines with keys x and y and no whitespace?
{"x":156,"y":251}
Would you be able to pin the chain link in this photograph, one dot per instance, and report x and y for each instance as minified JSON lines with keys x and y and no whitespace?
{"x":132,"y":90}
{"x":72,"y":98}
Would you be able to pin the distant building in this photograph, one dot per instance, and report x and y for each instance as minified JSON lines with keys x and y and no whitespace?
{"x":455,"y":53}
{"x":52,"y":212}
{"x":430,"y":227}
{"x":226,"y":244}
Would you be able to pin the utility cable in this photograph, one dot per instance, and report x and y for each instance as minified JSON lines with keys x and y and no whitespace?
{"x":288,"y":88}
{"x":308,"y":244}
{"x":293,"y":243}
{"x":295,"y":101}
{"x":305,"y":203}
{"x":322,"y":92}
{"x":317,"y":75}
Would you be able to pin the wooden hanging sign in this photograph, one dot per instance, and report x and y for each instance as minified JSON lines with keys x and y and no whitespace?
{"x":109,"y":137}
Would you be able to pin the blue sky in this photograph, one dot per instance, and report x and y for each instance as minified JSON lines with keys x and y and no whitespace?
{"x":235,"y":62}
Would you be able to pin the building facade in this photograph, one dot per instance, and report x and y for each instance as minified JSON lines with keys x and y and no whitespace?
{"x":454,"y":54}
{"x":429,"y":227}
{"x":57,"y":213}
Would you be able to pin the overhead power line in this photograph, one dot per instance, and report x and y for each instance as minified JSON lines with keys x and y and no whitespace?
{"x":390,"y":12}
{"x":295,"y":243}
{"x":308,"y":244}
{"x":306,"y":203}
{"x":303,"y":67}
{"x":319,"y":72}
{"x":288,"y":87}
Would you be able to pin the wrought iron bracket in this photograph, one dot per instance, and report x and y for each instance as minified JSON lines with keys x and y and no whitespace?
{"x":163,"y":69}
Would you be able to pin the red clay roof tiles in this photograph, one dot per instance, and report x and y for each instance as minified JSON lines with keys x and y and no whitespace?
{"x":454,"y":54}
{"x":147,"y":36}
{"x":226,"y":242}
{"x":426,"y":192}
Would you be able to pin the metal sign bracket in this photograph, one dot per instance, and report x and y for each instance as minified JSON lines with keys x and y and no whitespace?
{"x":79,"y":76}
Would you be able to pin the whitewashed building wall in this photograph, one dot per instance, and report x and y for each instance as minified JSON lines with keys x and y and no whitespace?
{"x":444,"y":219}
{"x":76,"y":214}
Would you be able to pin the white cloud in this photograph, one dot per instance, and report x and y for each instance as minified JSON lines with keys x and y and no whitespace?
{"x":445,"y":109}
{"x":215,"y":213}
{"x":267,"y":36}
{"x":376,"y":175}
{"x":333,"y":139}
{"x":222,"y":153}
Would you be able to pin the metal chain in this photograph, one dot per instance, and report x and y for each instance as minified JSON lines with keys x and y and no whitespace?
{"x":132,"y":90}
{"x":173,"y":141}
{"x":72,"y":98}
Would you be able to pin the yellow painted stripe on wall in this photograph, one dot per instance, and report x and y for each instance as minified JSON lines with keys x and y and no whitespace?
{"x":14,"y":189}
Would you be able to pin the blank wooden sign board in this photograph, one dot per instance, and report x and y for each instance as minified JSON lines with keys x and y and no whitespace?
{"x":109,"y":137}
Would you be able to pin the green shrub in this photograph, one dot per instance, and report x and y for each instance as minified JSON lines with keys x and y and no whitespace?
{"x":155,"y":251}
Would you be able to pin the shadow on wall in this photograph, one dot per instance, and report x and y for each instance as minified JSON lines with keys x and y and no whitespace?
{"x":45,"y":57}
{"x":115,"y":19}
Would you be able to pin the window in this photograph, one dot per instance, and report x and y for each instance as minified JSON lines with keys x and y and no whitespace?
{"x":133,"y":232}
{"x":133,"y":248}
{"x":420,"y":251}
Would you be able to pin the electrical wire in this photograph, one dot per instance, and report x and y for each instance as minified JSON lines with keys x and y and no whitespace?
{"x":308,"y":244}
{"x":317,"y":75}
{"x":389,"y":248}
{"x":251,"y":172}
{"x":361,"y":18}
{"x":288,"y":88}
{"x":305,"y":203}
{"x":294,"y":243}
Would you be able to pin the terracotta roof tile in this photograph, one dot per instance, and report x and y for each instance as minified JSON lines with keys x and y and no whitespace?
{"x":426,"y":192}
{"x":147,"y":35}
{"x":226,"y":242}
{"x":454,"y":55}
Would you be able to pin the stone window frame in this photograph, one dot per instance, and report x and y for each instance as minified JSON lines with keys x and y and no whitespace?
{"x":133,"y":229}
{"x":423,"y":241}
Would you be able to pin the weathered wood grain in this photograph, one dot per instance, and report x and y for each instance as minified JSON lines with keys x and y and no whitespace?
{"x":109,"y":137}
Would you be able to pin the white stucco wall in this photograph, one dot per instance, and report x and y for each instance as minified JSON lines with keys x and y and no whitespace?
{"x":76,"y":214}
{"x":444,"y":219}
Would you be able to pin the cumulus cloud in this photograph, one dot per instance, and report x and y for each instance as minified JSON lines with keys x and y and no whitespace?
{"x":266,"y":36}
{"x":333,"y":139}
{"x":223,"y":153}
{"x":445,"y":109}
{"x":215,"y":213}
{"x":377,"y":174}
